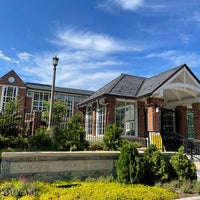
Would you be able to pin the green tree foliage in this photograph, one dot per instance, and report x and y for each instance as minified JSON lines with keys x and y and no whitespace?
{"x":129,"y":165}
{"x":72,"y":137}
{"x":10,"y":117}
{"x":112,"y":138}
{"x":59,"y":111}
{"x":183,"y":167}
{"x":155,"y":166}
{"x":40,"y":140}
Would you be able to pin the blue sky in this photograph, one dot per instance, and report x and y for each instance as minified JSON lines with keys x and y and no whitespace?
{"x":97,"y":40}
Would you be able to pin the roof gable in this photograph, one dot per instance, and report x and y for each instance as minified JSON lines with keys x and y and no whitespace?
{"x":17,"y":81}
{"x":153,"y":83}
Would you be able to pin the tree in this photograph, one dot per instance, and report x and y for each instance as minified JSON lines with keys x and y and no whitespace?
{"x":129,"y":166}
{"x":184,"y":168}
{"x":10,"y":117}
{"x":155,"y":166}
{"x":59,"y":111}
{"x":72,"y":138}
{"x":112,"y":138}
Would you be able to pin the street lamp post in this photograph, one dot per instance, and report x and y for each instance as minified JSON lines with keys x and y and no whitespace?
{"x":55,"y":63}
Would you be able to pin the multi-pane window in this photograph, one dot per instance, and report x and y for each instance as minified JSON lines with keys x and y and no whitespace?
{"x":9,"y":94}
{"x":38,"y":99}
{"x":100,"y":119}
{"x":125,"y":116}
{"x":88,"y":122}
{"x":168,"y":121}
{"x":69,"y":102}
{"x":190,"y":124}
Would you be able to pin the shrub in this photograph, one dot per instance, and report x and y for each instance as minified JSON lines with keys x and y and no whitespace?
{"x":111,"y":139}
{"x":19,"y":188}
{"x":95,"y":146}
{"x":59,"y":139}
{"x":129,"y":165}
{"x":72,"y":138}
{"x":74,"y":190}
{"x":155,"y":166}
{"x":41,"y":140}
{"x":183,"y":167}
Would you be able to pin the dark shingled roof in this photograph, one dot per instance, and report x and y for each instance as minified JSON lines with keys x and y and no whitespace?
{"x":122,"y":86}
{"x":129,"y":86}
{"x":36,"y":86}
{"x":153,"y":83}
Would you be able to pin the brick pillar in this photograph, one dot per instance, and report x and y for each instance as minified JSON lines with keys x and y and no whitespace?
{"x":141,"y":118}
{"x":94,"y":113}
{"x":196,"y":119}
{"x":181,"y":126}
{"x":153,"y":115}
{"x":110,"y":110}
{"x":37,"y":118}
{"x":83,"y":111}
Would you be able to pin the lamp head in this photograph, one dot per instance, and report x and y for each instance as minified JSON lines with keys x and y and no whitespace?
{"x":55,"y":61}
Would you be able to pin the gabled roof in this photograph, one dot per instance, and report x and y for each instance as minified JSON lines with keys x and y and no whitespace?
{"x":153,"y":83}
{"x":122,"y":86}
{"x":128,"y":86}
{"x":44,"y":87}
{"x":18,"y":81}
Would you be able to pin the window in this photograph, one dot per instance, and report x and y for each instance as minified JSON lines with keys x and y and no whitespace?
{"x":88,"y":122}
{"x":9,"y":94}
{"x":190,"y":125}
{"x":125,"y":117}
{"x":100,"y":119}
{"x":69,"y":102}
{"x":168,"y":121}
{"x":38,"y":99}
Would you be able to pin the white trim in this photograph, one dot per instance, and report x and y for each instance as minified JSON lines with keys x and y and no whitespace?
{"x":136,"y":119}
{"x":181,"y":86}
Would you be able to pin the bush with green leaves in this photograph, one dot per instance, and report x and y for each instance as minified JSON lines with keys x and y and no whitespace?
{"x":183,"y":167}
{"x":41,"y":140}
{"x":95,"y":146}
{"x":72,"y":138}
{"x":156,"y":168}
{"x":129,"y":166}
{"x":112,"y":138}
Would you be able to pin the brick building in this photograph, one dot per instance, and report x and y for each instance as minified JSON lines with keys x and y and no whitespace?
{"x":31,"y":96}
{"x":168,"y":102}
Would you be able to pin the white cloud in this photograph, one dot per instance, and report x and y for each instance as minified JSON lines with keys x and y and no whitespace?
{"x":24,"y":56}
{"x":129,"y":4}
{"x":3,"y":57}
{"x":86,"y":40}
{"x":178,"y":57}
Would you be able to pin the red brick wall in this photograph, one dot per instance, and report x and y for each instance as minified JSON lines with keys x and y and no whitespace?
{"x":22,"y":97}
{"x":153,"y":116}
{"x":181,"y":126}
{"x":28,"y":104}
{"x":196,"y":120}
{"x":141,"y":118}
{"x":110,"y":110}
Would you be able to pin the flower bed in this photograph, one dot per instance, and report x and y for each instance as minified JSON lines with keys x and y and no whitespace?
{"x":25,"y":189}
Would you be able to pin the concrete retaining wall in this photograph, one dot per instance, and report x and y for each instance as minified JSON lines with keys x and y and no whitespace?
{"x":51,"y":166}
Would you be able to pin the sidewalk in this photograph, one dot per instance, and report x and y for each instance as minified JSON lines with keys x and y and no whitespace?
{"x":190,"y":198}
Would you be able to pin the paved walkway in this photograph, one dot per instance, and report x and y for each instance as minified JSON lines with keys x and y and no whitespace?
{"x":190,"y":198}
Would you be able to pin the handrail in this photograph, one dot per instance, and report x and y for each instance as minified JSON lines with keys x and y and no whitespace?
{"x":175,"y":140}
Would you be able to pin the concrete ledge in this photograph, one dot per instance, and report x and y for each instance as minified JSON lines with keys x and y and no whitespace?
{"x":51,"y":166}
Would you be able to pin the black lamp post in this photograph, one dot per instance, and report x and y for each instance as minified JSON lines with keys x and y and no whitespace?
{"x":55,"y":63}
